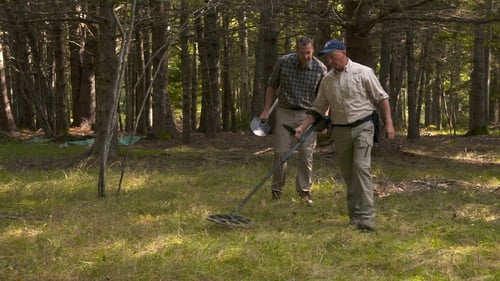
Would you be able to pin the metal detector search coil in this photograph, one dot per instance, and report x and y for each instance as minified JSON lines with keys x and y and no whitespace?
{"x":231,"y":220}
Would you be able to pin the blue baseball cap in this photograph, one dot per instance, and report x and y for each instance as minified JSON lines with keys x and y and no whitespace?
{"x":331,"y":46}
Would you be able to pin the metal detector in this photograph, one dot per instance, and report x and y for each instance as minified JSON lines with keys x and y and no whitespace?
{"x":232,"y":219}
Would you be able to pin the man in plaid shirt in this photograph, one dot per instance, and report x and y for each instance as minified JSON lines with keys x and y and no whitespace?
{"x":295,"y":80}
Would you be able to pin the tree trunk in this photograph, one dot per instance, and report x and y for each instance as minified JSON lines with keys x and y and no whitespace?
{"x":428,"y":102}
{"x":87,"y":99}
{"x":266,"y":56}
{"x":421,"y":79}
{"x":133,"y":75}
{"x":228,"y":110}
{"x":41,"y":95}
{"x":185,"y":72}
{"x":357,"y":33}
{"x":210,"y":61}
{"x":413,"y":119}
{"x":194,"y":87}
{"x":6,"y":118}
{"x":477,"y":104}
{"x":83,"y":53}
{"x":489,"y":33}
{"x":141,"y":97}
{"x":495,"y":95}
{"x":454,"y":101}
{"x":22,"y":86}
{"x":244,"y":91}
{"x":322,"y":32}
{"x":202,"y":69}
{"x":385,"y":62}
{"x":61,"y":98}
{"x":212,"y":50}
{"x":437,"y":96}
{"x":423,"y":73}
{"x":76,"y":47}
{"x":163,"y":121}
{"x":398,"y":63}
{"x":106,"y":142}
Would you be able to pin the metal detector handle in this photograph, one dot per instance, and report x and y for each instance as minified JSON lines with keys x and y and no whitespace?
{"x":306,"y":134}
{"x":320,"y":123}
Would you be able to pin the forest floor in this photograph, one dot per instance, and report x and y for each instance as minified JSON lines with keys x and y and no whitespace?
{"x":476,"y":149}
{"x":439,"y":149}
{"x":437,"y":198}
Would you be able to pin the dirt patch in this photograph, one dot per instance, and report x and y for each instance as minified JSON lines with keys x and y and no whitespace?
{"x":223,"y":141}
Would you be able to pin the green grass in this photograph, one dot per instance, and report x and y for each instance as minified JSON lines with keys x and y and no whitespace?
{"x":54,"y":227}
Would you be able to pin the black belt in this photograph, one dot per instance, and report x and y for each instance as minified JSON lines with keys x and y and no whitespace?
{"x":294,"y":108}
{"x":357,"y":122}
{"x":372,"y":117}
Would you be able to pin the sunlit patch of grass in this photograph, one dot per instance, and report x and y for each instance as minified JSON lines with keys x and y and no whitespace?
{"x":21,"y":233}
{"x":426,"y":169}
{"x":494,"y":131}
{"x":478,"y":212}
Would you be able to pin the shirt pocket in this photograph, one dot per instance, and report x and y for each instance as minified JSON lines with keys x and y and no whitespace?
{"x":356,"y":85}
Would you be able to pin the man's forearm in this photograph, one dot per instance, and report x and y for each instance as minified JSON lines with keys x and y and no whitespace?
{"x":385,"y":109}
{"x":270,"y":96}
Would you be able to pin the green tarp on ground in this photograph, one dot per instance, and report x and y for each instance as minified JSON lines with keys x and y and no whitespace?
{"x":123,"y":141}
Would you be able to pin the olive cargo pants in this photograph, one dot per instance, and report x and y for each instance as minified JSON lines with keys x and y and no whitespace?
{"x":353,"y":146}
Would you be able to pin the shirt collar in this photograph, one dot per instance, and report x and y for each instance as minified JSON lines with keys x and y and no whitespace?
{"x":346,"y":67}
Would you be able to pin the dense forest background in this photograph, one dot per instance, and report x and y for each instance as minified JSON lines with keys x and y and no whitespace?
{"x":168,"y":68}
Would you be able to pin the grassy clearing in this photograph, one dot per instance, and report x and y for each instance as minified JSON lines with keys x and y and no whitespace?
{"x":54,"y":227}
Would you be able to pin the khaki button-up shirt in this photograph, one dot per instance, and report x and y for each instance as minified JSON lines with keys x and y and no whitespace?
{"x":351,"y":94}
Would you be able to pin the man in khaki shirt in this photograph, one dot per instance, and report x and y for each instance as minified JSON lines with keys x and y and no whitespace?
{"x":353,"y":94}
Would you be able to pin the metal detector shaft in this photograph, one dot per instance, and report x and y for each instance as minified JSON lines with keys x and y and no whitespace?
{"x":270,"y":173}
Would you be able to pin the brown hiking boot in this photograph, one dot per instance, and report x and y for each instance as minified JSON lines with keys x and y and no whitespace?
{"x":276,"y":194}
{"x":306,"y":197}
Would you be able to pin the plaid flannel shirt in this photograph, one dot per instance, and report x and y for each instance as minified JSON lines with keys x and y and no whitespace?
{"x":297,"y":86}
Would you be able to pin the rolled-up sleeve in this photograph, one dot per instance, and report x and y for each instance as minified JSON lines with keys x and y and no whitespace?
{"x":374,"y":88}
{"x":274,"y":78}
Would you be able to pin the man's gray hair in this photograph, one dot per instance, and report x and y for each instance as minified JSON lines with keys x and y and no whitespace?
{"x":304,"y":41}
